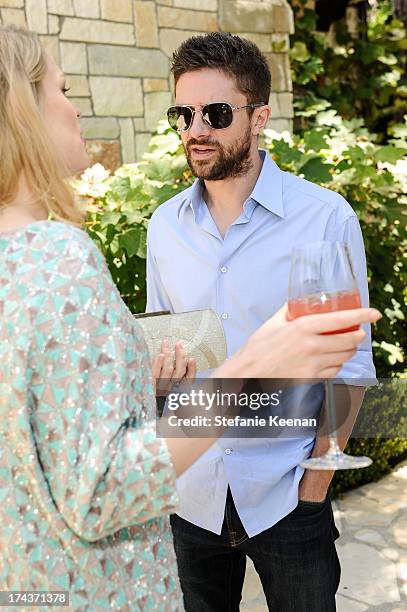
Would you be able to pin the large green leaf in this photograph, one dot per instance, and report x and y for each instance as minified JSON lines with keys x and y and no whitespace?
{"x":110,"y":218}
{"x":284,"y":153}
{"x":389,"y":153}
{"x":317,"y":171}
{"x":315,"y":139}
{"x":130,"y":241}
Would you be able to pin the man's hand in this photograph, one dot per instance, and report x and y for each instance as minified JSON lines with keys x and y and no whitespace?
{"x":314,"y":483}
{"x":301,"y":347}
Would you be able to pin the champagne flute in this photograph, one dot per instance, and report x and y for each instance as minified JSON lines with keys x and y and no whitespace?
{"x":322,"y":280}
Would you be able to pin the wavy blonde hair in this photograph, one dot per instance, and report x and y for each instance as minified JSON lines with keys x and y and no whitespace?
{"x":25,"y":146}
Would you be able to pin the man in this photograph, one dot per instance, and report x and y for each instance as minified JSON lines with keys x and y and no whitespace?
{"x":225,"y":243}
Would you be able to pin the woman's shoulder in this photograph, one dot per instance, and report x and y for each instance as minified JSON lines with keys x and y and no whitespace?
{"x":49,"y":249}
{"x":61,"y":231}
{"x":47,"y":239}
{"x":68,"y":239}
{"x":43,"y":229}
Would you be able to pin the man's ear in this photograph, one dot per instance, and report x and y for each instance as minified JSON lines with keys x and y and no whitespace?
{"x":260,"y":118}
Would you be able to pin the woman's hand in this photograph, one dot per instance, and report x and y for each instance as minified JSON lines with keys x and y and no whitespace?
{"x":297,"y":349}
{"x":171,"y":366}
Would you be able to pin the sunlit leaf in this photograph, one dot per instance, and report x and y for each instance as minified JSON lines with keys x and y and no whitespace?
{"x":315,"y":170}
{"x":389,"y":60}
{"x":130,"y":241}
{"x":395,"y":354}
{"x":299,"y":52}
{"x":389,"y":154}
{"x":315,"y":139}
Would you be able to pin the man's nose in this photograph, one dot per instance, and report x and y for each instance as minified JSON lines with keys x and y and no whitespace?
{"x":198,"y":126}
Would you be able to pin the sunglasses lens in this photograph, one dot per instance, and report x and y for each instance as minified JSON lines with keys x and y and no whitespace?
{"x":179,"y":118}
{"x":219,"y":115}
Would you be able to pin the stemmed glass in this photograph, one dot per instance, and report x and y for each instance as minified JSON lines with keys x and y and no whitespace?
{"x":322,"y":280}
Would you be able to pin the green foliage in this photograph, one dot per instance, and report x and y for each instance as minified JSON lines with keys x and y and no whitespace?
{"x":119,"y":207}
{"x":343,"y":156}
{"x":362,"y":76}
{"x":383,"y":415}
{"x":351,"y":136}
{"x":383,"y":452}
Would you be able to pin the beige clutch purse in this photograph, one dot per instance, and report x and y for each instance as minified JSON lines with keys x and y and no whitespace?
{"x":200,"y":331}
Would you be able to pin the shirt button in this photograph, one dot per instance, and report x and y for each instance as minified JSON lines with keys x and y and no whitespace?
{"x":228,"y":451}
{"x":224,"y":315}
{"x":223,"y":269}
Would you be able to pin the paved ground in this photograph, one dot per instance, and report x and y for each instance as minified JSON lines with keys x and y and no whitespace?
{"x":372,"y":521}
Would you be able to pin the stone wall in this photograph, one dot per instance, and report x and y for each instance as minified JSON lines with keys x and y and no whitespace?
{"x":116,"y":55}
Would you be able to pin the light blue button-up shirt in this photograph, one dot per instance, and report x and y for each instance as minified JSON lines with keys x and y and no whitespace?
{"x":244,"y":278}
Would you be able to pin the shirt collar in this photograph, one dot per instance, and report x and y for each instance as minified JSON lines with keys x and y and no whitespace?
{"x":196,"y":197}
{"x":268,"y":190}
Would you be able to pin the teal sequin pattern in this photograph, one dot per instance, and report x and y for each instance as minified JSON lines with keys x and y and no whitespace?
{"x":85,"y":484}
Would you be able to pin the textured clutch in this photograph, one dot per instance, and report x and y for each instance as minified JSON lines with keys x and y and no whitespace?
{"x":200,"y":331}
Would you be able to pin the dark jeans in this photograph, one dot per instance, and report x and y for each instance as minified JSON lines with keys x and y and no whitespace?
{"x":296,"y":560}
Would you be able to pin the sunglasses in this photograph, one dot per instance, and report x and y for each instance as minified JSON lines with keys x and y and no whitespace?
{"x":218,"y":115}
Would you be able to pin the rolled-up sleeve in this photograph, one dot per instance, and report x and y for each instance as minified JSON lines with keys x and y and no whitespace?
{"x":361,"y":366}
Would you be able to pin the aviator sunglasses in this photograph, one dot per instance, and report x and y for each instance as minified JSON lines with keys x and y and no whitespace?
{"x":218,"y":115}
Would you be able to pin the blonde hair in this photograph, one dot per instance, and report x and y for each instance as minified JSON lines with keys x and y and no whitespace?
{"x":25,"y":147}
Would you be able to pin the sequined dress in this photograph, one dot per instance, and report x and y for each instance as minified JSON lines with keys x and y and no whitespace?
{"x":86,"y":486}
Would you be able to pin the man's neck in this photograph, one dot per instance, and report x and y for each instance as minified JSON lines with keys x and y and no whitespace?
{"x":225,"y":199}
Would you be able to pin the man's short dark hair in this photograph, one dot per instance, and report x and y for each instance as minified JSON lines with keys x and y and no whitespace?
{"x":236,"y":56}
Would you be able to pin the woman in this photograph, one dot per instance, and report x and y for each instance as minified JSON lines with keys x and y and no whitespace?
{"x":86,"y":485}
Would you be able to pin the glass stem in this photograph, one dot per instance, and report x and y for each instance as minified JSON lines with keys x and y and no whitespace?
{"x":330,"y":400}
{"x":334,"y":448}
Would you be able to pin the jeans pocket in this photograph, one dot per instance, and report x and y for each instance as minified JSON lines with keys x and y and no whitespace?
{"x":308,"y":506}
{"x":306,"y":502}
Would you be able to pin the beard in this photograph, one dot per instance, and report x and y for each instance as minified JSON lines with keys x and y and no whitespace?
{"x":230,"y":161}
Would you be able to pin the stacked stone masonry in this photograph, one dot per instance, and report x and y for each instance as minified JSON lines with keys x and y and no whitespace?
{"x":116,"y":57}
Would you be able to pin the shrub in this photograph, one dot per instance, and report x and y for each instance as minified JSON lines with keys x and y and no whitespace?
{"x":119,"y":207}
{"x":338,"y":89}
{"x":383,"y":417}
{"x":362,"y":76}
{"x":343,"y":156}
